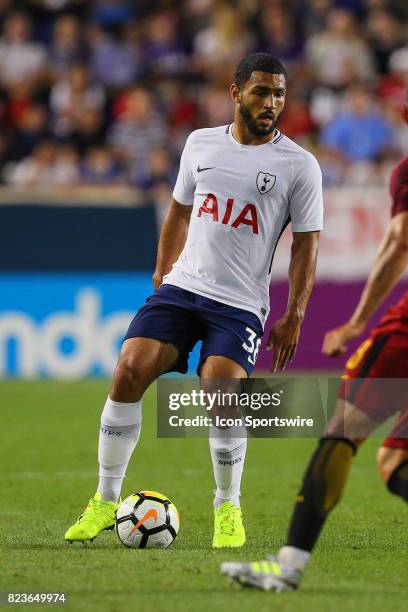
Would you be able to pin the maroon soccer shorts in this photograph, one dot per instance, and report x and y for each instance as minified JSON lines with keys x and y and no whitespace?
{"x":398,"y":437}
{"x":376,"y":382}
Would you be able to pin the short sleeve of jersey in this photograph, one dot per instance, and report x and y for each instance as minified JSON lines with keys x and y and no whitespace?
{"x":306,"y":202}
{"x":399,"y":187}
{"x":185,"y":185}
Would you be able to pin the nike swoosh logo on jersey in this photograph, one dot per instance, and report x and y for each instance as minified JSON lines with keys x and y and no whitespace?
{"x":202,"y":169}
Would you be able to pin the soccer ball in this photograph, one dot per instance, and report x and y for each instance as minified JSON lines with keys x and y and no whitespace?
{"x":147,"y":519}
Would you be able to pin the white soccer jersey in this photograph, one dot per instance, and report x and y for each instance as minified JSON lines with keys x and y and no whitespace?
{"x":243,"y":197}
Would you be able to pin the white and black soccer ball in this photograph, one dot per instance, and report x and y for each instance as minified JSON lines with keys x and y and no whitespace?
{"x":147,"y":519}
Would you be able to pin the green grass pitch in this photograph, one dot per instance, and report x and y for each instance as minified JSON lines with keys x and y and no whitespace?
{"x":48,"y":472}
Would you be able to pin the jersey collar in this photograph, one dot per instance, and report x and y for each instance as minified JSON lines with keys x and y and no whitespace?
{"x":278,"y":136}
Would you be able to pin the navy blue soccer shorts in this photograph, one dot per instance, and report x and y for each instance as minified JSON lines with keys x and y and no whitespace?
{"x":184,"y":318}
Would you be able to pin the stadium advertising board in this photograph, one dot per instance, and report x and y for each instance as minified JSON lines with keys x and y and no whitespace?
{"x":354,"y":223}
{"x":66,"y":326}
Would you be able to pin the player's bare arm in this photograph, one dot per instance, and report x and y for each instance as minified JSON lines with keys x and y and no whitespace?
{"x":284,"y":335}
{"x":172,"y":239}
{"x":388,"y":267}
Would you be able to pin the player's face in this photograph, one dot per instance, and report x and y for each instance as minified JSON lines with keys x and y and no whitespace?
{"x":261,"y":101}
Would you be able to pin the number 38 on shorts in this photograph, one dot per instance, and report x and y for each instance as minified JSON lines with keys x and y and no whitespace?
{"x":252,"y":345}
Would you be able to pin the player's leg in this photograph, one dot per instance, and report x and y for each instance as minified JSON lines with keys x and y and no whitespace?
{"x":327,"y":472}
{"x":393,"y":468}
{"x":324,"y":482}
{"x":141,"y":361}
{"x":322,"y":487}
{"x":158,"y":340}
{"x":329,"y":468}
{"x":228,"y":354}
{"x":228,"y":448}
{"x":392,"y":458}
{"x":374,"y":385}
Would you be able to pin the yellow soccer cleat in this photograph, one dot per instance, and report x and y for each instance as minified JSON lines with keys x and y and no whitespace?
{"x":98,"y":516}
{"x":268,"y":575}
{"x":229,"y":530}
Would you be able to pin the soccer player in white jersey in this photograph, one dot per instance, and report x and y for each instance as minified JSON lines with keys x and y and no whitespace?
{"x":238,"y":187}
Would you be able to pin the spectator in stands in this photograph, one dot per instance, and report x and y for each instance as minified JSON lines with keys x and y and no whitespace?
{"x":278,"y":36}
{"x":360,"y":133}
{"x":181,"y":107}
{"x":393,"y":91}
{"x":392,"y":87}
{"x":332,"y":166}
{"x":32,"y":128}
{"x":339,"y":55}
{"x":89,"y":130}
{"x":21,"y":58}
{"x":218,"y":47}
{"x":101,"y":168}
{"x":138,"y":129}
{"x":48,"y":166}
{"x":65,"y":169}
{"x":157,"y":185}
{"x":71,"y":96}
{"x":296,"y":122}
{"x":163,"y":48}
{"x":115,"y":57}
{"x":215,"y":105}
{"x":384,"y":35}
{"x":75,"y":68}
{"x":35,"y":170}
{"x":315,"y":16}
{"x":67,"y":47}
{"x":160,"y":171}
{"x":18,"y":100}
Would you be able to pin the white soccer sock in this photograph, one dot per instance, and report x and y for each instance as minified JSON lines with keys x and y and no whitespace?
{"x":294,"y":557}
{"x":120,"y":429}
{"x":228,"y":448}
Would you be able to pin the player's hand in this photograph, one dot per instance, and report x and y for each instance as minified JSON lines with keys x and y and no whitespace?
{"x":335,"y":340}
{"x":157,"y":279}
{"x":283,"y":338}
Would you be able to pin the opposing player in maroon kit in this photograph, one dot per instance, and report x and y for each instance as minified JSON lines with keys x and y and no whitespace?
{"x":374,"y":388}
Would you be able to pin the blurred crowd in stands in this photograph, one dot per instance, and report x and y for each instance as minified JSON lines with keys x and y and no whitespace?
{"x":105,"y":92}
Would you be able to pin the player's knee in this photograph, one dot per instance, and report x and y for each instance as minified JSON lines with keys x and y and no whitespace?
{"x":127,"y":381}
{"x":219,"y":367}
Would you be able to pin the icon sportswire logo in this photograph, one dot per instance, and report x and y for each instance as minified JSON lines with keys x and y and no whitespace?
{"x":152,"y":513}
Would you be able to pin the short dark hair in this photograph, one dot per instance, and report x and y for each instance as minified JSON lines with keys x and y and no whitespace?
{"x":258,"y":61}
